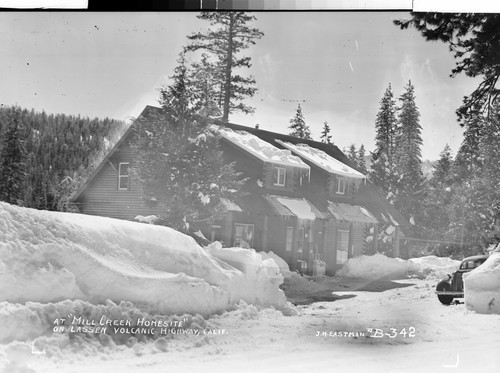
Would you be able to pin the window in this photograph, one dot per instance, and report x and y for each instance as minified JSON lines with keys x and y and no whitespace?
{"x":289,"y":238}
{"x":279,"y":176}
{"x":300,"y":241}
{"x":342,"y":246}
{"x":123,"y":176}
{"x":341,"y":185}
{"x":243,"y":235}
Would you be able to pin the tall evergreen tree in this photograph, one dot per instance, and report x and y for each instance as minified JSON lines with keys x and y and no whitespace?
{"x":60,"y":146}
{"x":468,"y":161}
{"x":326,"y":136}
{"x":362,"y":160}
{"x":382,"y":167}
{"x":229,"y":34}
{"x":408,"y":157}
{"x":441,"y":176}
{"x":206,"y":97}
{"x":298,"y":126}
{"x":352,"y":154}
{"x":475,"y":205}
{"x":12,"y":158}
{"x":436,"y":218}
{"x":179,"y":163}
{"x":177,"y":98}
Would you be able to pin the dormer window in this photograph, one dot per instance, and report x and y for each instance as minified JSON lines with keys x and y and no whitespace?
{"x":279,"y":176}
{"x":341,"y":184}
{"x":123,"y":176}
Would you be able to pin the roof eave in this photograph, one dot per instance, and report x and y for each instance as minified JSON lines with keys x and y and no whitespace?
{"x":110,"y":153}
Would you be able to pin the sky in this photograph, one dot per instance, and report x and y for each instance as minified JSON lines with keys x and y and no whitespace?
{"x":336,"y":65}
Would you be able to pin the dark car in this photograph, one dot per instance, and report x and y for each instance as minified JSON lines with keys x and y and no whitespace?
{"x":453,"y":286}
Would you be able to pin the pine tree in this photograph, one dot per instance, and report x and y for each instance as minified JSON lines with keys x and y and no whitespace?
{"x":408,"y":157}
{"x":206,"y":97}
{"x":179,"y":164}
{"x":176,"y":99}
{"x":229,"y":34}
{"x":382,"y":167}
{"x":362,"y":160}
{"x":12,"y":157}
{"x":475,"y":205}
{"x":58,"y":146}
{"x":353,"y":155}
{"x":441,"y":176}
{"x":468,"y":161}
{"x":326,"y":136}
{"x":435,"y":218}
{"x":299,"y":127}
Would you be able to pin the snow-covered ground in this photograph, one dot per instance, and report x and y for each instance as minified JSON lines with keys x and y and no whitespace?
{"x":387,"y":320}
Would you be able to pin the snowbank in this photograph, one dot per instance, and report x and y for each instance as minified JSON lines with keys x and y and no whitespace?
{"x":435,"y":267}
{"x":283,"y":266}
{"x":262,"y":277}
{"x":380,"y":266}
{"x":375,"y":267}
{"x":49,"y":256}
{"x":482,"y":286}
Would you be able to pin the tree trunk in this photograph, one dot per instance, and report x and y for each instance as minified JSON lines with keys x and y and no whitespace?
{"x":227,"y":80}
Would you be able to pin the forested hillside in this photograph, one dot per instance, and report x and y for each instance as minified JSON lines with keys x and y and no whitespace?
{"x":58,"y":153}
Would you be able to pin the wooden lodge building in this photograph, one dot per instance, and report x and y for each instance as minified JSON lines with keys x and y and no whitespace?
{"x":304,"y":200}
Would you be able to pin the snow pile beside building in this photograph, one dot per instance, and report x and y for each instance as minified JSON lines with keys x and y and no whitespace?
{"x":283,"y":266}
{"x":261,"y":277}
{"x":435,"y":267}
{"x":482,"y":286}
{"x":49,"y":256}
{"x":376,"y":267}
{"x":380,"y":266}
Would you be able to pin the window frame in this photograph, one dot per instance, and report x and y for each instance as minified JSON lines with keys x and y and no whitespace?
{"x":341,"y":181}
{"x":244,"y":225}
{"x":125,"y":176}
{"x":276,"y":176}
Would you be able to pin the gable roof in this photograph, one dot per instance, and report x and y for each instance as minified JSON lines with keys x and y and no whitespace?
{"x":273,"y":137}
{"x":147,"y":112}
{"x":261,"y":149}
{"x":322,"y":160}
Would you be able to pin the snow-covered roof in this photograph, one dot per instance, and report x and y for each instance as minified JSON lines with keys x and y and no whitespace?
{"x":322,"y":159}
{"x":230,"y":206}
{"x":300,"y":207}
{"x":344,"y":211}
{"x":260,"y":148}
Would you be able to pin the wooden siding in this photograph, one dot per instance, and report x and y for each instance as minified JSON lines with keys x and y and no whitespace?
{"x":352,"y":186}
{"x":358,"y":237}
{"x":102,"y":197}
{"x":291,"y":178}
{"x":330,"y":243}
{"x":251,"y":166}
{"x":276,"y":240}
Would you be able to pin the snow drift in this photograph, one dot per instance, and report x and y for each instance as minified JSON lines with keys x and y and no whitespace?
{"x":482,"y":286}
{"x":379,"y":266}
{"x":49,"y":256}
